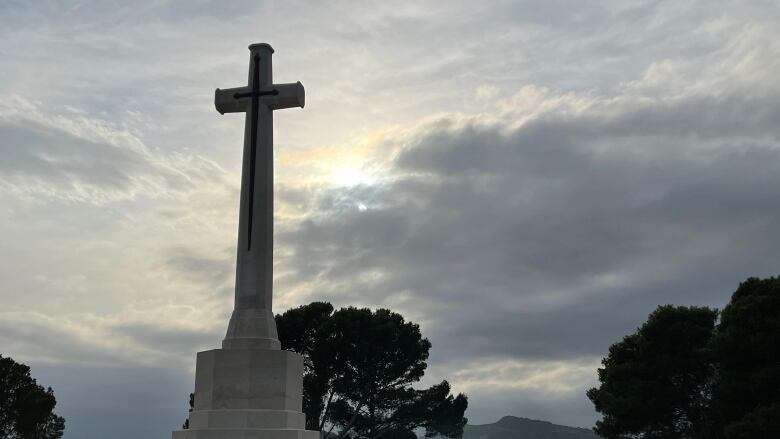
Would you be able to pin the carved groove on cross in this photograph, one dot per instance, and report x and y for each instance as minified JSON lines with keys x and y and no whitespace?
{"x":253,"y":155}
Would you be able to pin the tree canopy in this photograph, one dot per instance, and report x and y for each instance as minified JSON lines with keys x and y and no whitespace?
{"x":359,"y":369}
{"x":655,"y":383}
{"x":747,"y":346}
{"x":25,"y":406}
{"x":683,"y":374}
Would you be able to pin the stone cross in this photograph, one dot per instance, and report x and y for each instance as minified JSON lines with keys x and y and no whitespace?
{"x":251,"y":389}
{"x":252,"y":324}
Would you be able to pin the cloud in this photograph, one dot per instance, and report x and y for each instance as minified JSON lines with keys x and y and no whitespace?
{"x":72,"y":157}
{"x":548,"y":377}
{"x":567,"y":223}
{"x":549,"y":390}
{"x":215,"y":270}
{"x":131,"y":339}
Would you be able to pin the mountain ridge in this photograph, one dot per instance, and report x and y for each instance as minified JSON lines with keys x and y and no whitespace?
{"x":513,"y":427}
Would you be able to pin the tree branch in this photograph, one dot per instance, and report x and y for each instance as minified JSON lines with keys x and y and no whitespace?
{"x":351,"y":421}
{"x":327,"y":407}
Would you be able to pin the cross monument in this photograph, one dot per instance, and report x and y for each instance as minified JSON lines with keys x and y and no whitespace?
{"x":251,"y":389}
{"x":251,"y":324}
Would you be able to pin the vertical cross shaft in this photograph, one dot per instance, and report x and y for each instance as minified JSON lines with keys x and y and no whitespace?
{"x":252,"y":324}
{"x":254,"y":80}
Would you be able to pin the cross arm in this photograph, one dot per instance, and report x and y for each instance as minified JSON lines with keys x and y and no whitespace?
{"x":288,"y":96}
{"x":275,"y":96}
{"x":226,"y":102}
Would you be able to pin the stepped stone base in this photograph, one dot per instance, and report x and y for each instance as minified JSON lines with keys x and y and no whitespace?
{"x":247,"y":394}
{"x":284,"y":419}
{"x":253,"y":433}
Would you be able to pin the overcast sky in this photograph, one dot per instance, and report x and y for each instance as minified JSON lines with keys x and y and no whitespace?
{"x":527,"y":180}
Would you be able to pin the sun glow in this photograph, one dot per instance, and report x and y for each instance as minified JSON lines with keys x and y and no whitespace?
{"x":349,"y":176}
{"x":352,"y":163}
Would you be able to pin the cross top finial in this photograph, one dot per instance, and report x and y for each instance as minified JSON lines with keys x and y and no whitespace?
{"x":257,"y":46}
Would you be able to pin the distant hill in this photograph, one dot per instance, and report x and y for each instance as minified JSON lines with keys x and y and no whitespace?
{"x":510,"y":427}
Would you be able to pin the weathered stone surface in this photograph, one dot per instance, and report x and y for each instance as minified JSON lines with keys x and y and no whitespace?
{"x":247,"y":393}
{"x":262,"y":379}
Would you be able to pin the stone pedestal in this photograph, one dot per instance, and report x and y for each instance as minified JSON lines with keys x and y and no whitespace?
{"x":247,"y":394}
